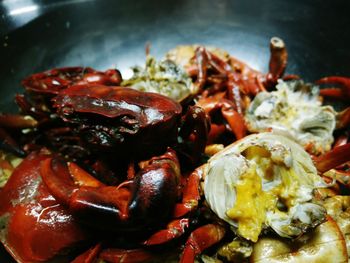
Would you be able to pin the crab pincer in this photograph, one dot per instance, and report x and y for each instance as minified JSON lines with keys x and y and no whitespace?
{"x":36,"y":226}
{"x":146,"y":200}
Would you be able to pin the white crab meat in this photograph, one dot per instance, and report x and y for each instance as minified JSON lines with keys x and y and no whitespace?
{"x":294,"y":109}
{"x":264,"y":180}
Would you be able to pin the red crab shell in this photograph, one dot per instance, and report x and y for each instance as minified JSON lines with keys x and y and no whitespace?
{"x":118,"y":119}
{"x":35,"y":227}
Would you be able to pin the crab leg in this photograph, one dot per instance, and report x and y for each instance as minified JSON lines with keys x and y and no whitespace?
{"x":81,"y":177}
{"x":221,"y":66}
{"x":115,"y":255}
{"x":88,"y":256}
{"x":251,"y":79}
{"x":202,"y":62}
{"x":235,"y":121}
{"x":333,"y":158}
{"x":291,"y":77}
{"x":343,"y":119}
{"x":31,"y":109}
{"x":343,"y":81}
{"x":14,"y":121}
{"x":215,"y":131}
{"x":335,"y":93}
{"x":38,"y":227}
{"x":233,"y":86}
{"x":341,"y":140}
{"x":234,"y":93}
{"x":195,"y":126}
{"x":175,"y":229}
{"x":201,"y":239}
{"x":227,"y":107}
{"x":190,"y":199}
{"x":338,"y":93}
{"x":278,"y":60}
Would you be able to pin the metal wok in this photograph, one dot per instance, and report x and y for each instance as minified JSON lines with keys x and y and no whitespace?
{"x":36,"y":35}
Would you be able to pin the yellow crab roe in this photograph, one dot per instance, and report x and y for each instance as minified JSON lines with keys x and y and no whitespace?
{"x":251,"y":205}
{"x":252,"y":202}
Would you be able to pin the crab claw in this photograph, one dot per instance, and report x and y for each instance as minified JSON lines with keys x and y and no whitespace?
{"x":143,"y":201}
{"x":190,"y":195}
{"x":333,"y":158}
{"x":201,"y":239}
{"x":343,"y":92}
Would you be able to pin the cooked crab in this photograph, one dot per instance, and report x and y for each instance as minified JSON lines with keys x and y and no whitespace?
{"x":295,"y":110}
{"x":264,"y":181}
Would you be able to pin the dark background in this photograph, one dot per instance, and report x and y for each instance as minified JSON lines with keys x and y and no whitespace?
{"x":38,"y":35}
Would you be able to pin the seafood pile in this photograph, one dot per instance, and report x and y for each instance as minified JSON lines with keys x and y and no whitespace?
{"x":196,"y":158}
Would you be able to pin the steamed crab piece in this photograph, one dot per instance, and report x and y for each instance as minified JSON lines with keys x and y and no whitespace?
{"x":264,"y":181}
{"x":164,"y":77}
{"x":294,"y":109}
{"x":325,"y":244}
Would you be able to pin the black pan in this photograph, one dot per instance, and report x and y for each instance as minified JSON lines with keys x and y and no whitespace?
{"x":36,"y":35}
